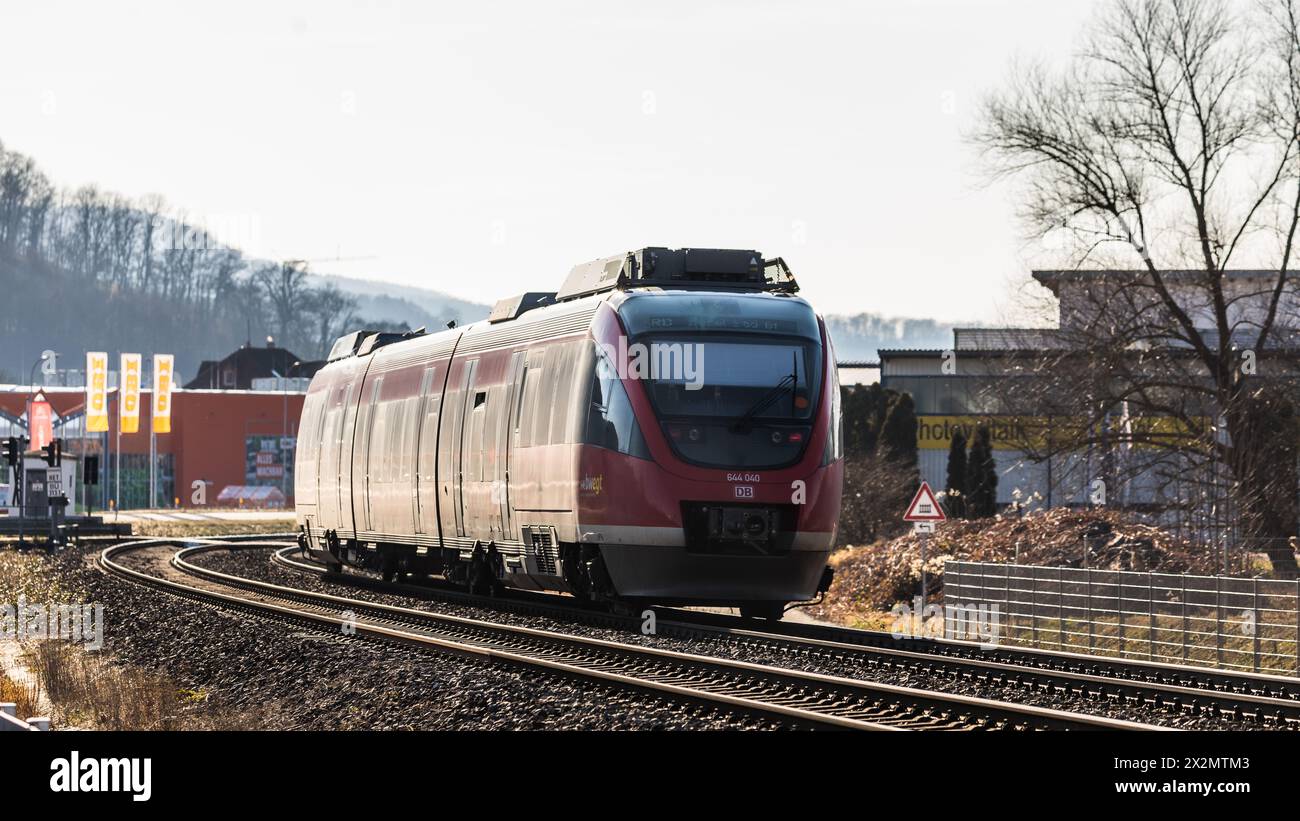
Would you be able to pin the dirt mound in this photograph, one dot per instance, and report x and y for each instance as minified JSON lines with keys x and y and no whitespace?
{"x":874,"y":577}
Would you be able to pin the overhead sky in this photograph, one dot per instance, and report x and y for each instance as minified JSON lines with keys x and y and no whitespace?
{"x":485,"y":148}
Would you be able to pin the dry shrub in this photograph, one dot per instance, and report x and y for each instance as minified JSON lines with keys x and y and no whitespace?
{"x":875,"y":489}
{"x":89,"y":691}
{"x":26,"y":696}
{"x":874,"y":577}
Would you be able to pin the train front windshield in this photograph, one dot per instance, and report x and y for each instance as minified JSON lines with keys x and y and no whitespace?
{"x":734,"y":380}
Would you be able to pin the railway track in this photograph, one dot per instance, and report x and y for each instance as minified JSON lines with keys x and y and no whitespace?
{"x":787,"y":696}
{"x":1239,"y":697}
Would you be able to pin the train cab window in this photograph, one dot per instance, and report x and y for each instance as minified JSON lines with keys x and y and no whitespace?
{"x":610,"y":421}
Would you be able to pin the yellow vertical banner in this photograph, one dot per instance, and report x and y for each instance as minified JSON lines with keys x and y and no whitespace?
{"x":128,"y":392}
{"x":162,"y":393}
{"x":96,"y":391}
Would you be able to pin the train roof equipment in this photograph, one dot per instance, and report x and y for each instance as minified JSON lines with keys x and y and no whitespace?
{"x":704,"y":268}
{"x":361,"y":343}
{"x":712,"y":269}
{"x":512,"y":307}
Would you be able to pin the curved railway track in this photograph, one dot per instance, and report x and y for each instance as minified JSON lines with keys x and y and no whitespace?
{"x":787,"y":696}
{"x":1240,"y":697}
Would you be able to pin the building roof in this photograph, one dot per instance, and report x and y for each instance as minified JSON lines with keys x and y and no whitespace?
{"x":241,"y":367}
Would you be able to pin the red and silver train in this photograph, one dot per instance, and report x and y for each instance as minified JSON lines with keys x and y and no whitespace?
{"x":664,"y":429}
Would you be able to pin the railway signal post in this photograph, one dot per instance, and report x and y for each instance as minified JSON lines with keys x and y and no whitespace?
{"x":924,"y":513}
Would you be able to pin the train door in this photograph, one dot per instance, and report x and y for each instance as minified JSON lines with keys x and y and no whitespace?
{"x":327,"y":513}
{"x":476,"y":491}
{"x":369,"y":442}
{"x":467,"y":401}
{"x":518,"y":374}
{"x":421,"y":447}
{"x":347,"y":447}
{"x":329,"y":467}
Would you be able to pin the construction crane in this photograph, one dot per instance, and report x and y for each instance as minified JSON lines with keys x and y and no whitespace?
{"x":297,"y":262}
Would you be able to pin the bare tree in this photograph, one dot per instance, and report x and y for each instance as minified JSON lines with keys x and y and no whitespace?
{"x":1170,"y":148}
{"x":285,"y":285}
{"x":333,"y":312}
{"x":151,"y":209}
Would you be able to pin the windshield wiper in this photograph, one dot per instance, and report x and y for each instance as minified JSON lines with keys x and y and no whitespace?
{"x":745,"y":422}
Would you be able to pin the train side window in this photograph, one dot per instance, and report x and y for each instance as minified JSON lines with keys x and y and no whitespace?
{"x":375,"y":432}
{"x":429,"y":439}
{"x":410,"y":427}
{"x":610,"y":421}
{"x":489,"y":437}
{"x":546,"y":399}
{"x":563,"y":390}
{"x":533,"y":388}
{"x":474,"y":443}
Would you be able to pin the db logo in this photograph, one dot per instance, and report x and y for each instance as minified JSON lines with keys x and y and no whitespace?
{"x":744,"y":492}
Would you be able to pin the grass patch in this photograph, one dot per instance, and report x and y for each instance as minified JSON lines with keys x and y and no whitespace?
{"x":158,"y":530}
{"x":88,"y":690}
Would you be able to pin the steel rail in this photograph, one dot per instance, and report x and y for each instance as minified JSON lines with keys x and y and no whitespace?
{"x":1206,"y":691}
{"x":806,"y":699}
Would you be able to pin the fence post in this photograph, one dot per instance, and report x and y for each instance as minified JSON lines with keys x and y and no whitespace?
{"x":1060,"y":606}
{"x":1088,"y":576}
{"x":1119,"y":611}
{"x":984,"y":584}
{"x":1006,"y":598}
{"x":1151,"y":619}
{"x":1033,"y":603}
{"x":1296,"y":601}
{"x":1254,"y":603}
{"x":1184,"y":617}
{"x":1218,"y":621}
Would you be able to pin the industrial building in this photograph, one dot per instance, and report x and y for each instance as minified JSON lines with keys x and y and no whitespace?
{"x":219,"y":439}
{"x":959,"y":387}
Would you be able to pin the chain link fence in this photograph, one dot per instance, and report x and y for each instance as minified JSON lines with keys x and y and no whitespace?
{"x":1219,"y":621}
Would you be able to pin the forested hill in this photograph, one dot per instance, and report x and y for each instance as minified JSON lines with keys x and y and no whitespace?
{"x":87,"y":269}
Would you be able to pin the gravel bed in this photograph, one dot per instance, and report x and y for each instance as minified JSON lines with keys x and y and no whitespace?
{"x":254,"y":563}
{"x":264,"y":674}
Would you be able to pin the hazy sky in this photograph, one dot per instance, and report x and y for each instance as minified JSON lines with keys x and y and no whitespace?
{"x":483,"y":149}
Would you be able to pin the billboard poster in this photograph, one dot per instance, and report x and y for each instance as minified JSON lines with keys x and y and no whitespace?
{"x":162,"y":393}
{"x":96,"y":391}
{"x":40,"y":422}
{"x":269,"y":461}
{"x":128,"y":410}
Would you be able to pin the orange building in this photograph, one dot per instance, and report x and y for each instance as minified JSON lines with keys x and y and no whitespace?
{"x":218,"y":438}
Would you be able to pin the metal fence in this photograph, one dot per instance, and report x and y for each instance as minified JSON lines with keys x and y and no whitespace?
{"x":9,"y":720}
{"x":1217,"y":621}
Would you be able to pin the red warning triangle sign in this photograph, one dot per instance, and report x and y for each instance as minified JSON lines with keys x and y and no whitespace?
{"x":924,"y":507}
